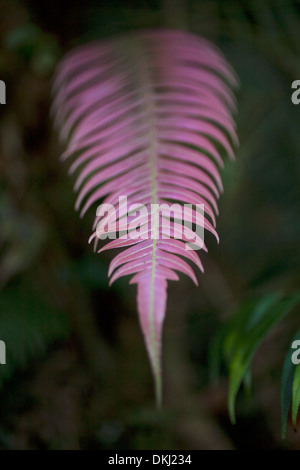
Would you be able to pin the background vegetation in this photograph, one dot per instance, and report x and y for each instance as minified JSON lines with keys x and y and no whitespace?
{"x":77,"y":375}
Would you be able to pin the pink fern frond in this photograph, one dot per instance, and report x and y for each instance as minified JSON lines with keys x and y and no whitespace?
{"x":148,"y":116}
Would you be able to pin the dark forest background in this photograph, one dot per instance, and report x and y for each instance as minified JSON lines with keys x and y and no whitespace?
{"x":77,"y":374}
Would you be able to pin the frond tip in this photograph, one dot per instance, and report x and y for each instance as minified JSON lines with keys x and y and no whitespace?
{"x":147,"y":119}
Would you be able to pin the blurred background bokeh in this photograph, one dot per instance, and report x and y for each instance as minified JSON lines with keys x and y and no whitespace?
{"x":77,"y":374}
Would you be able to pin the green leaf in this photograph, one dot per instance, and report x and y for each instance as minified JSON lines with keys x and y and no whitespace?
{"x":264,"y":317}
{"x":240,"y":338}
{"x":287,"y":392}
{"x":296,"y":395}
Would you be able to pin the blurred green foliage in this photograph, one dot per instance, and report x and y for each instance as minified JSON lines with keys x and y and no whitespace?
{"x":239,"y":338}
{"x":40,"y":50}
{"x":290,"y":388}
{"x":29,"y":324}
